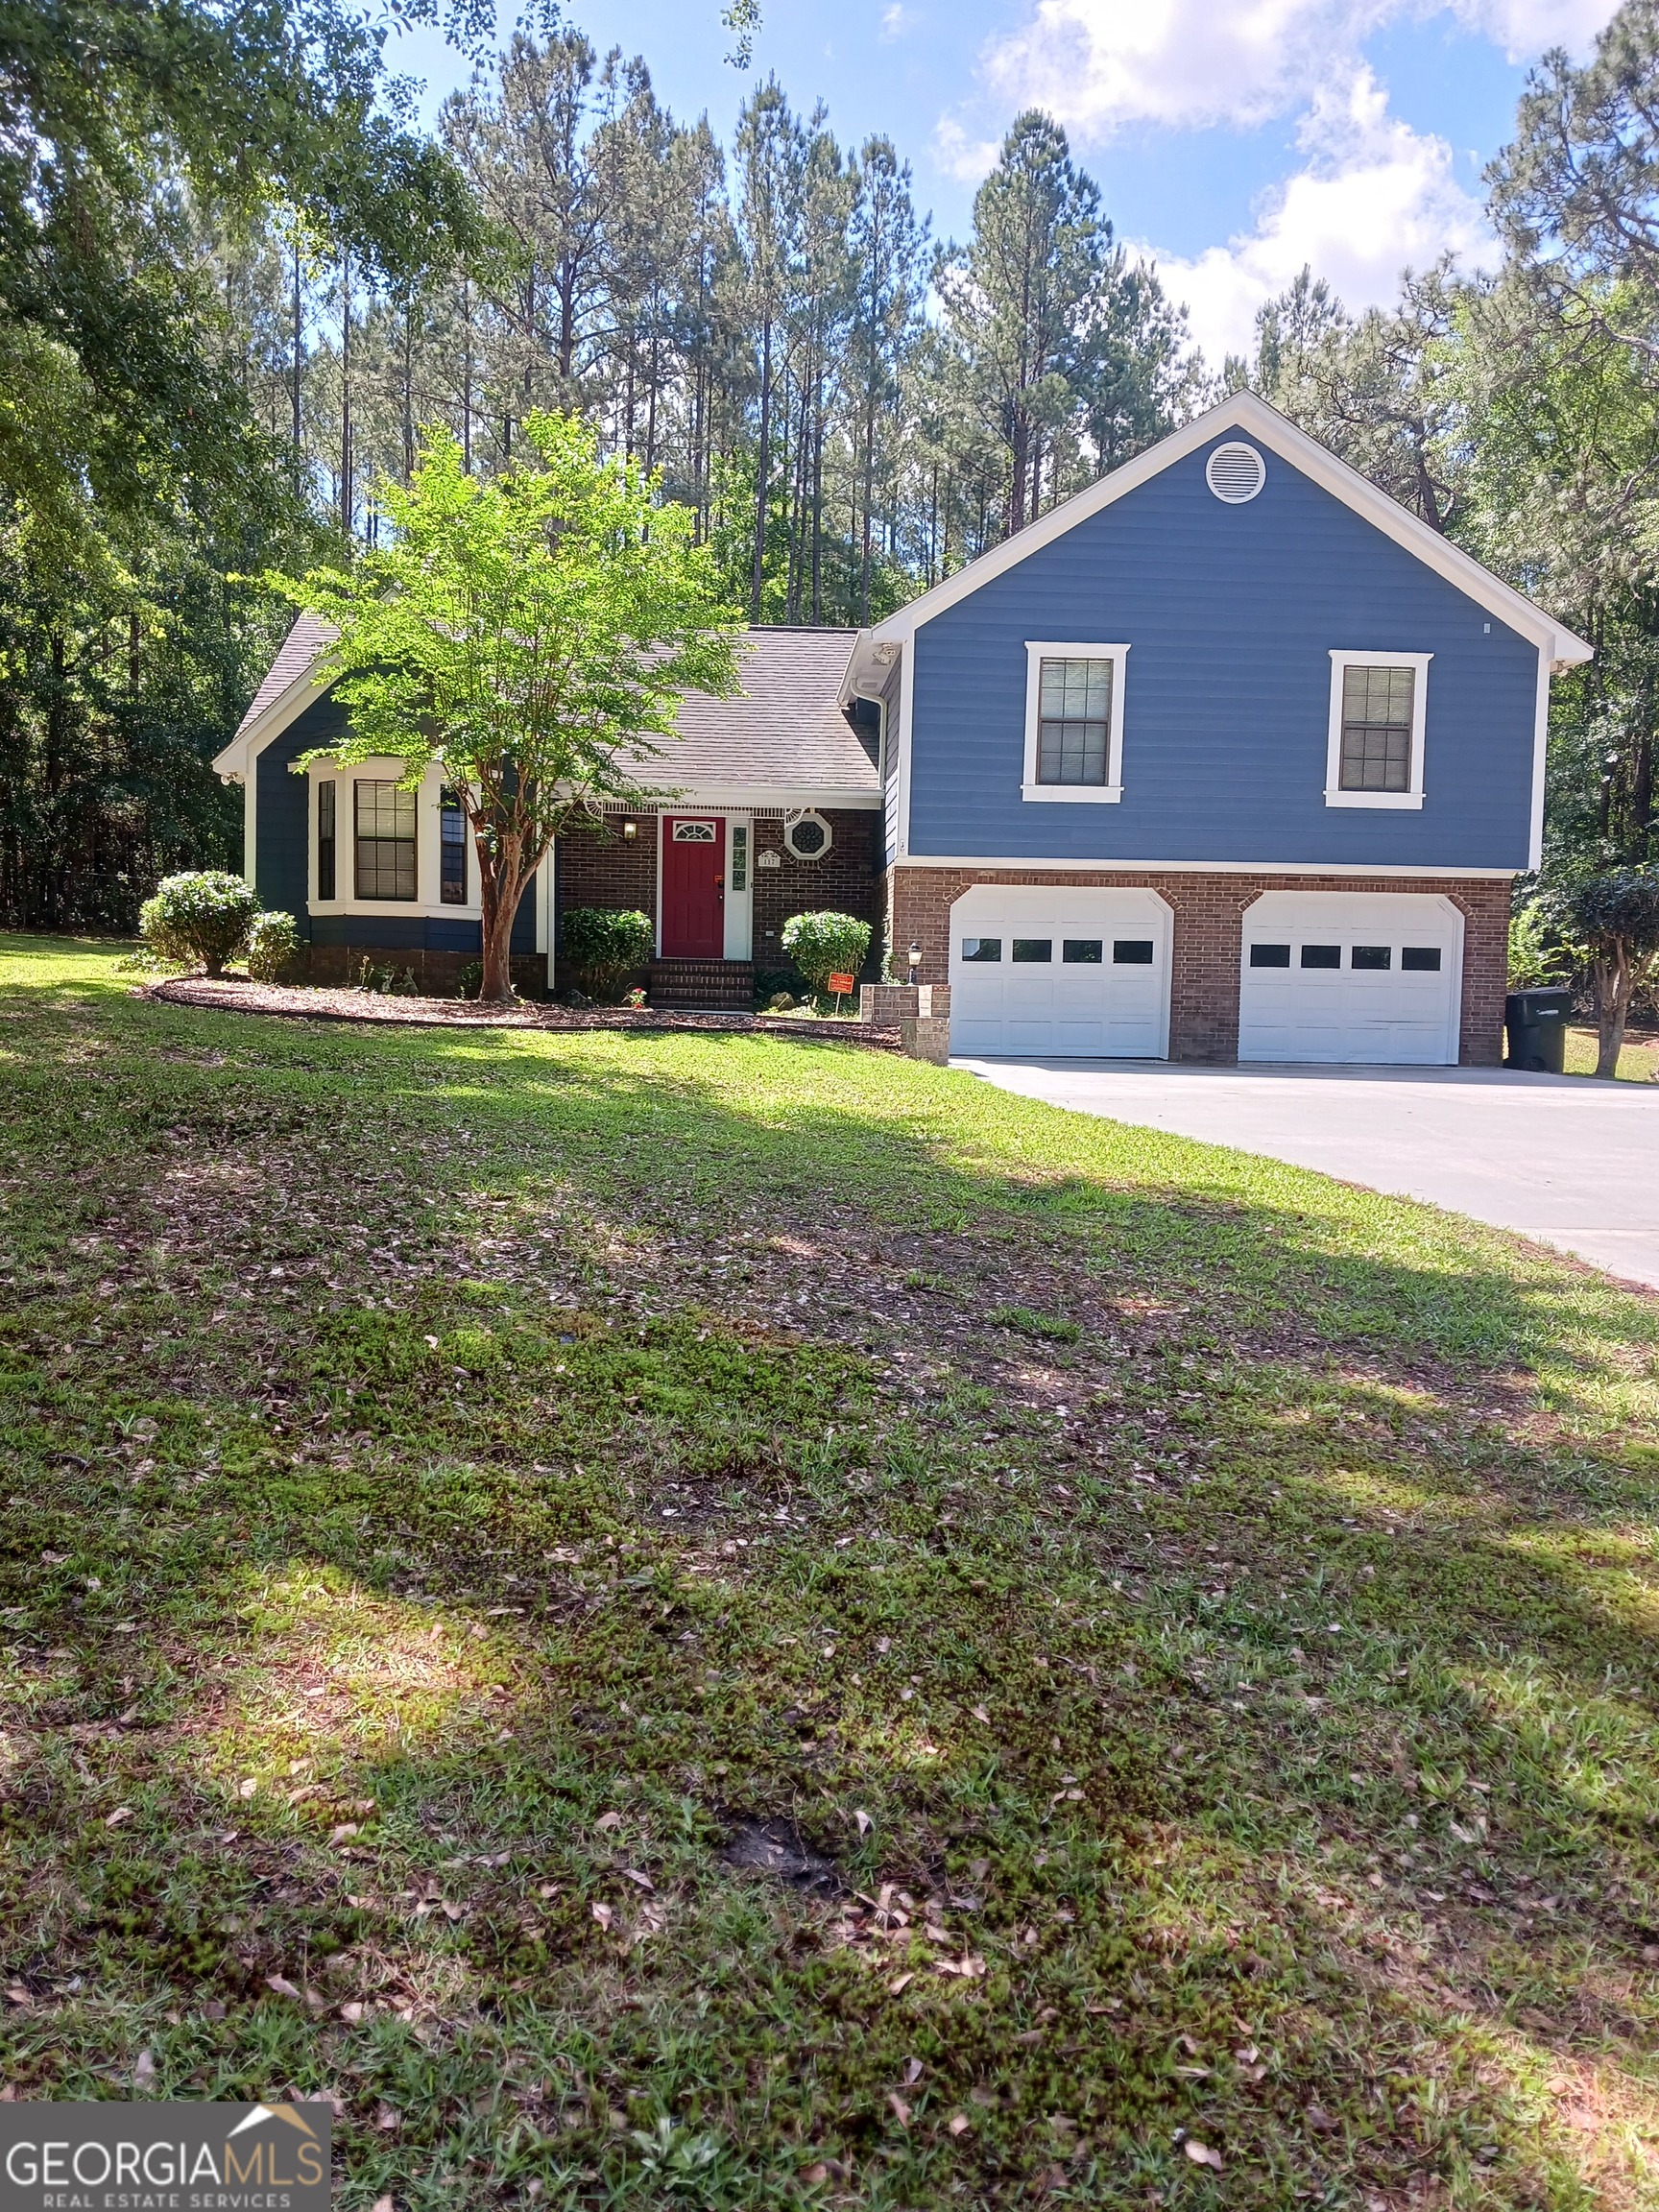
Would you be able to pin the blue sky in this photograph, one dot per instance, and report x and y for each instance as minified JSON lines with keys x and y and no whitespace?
{"x":1233,"y":139}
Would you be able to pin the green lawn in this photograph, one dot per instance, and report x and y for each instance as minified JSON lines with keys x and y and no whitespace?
{"x":1638,"y":1062}
{"x":1180,"y":1634}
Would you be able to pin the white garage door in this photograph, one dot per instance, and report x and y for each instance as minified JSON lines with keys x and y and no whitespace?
{"x":1351,"y":976}
{"x":1054,"y":973}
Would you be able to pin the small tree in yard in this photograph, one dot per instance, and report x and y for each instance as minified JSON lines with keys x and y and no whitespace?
{"x":826,"y":945}
{"x":1616,"y":919}
{"x":533,"y":634}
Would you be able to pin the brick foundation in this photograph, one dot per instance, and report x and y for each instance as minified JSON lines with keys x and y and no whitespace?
{"x":437,"y":973}
{"x":1209,"y":913}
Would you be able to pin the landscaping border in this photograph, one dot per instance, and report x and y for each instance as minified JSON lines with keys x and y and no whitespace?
{"x":321,"y":1003}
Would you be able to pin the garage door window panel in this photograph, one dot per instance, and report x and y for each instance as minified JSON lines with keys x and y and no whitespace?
{"x":1034,"y":948}
{"x":1321,"y":955}
{"x":982,"y":949}
{"x":1373,"y":957}
{"x":1082,"y":952}
{"x":1269,"y":955}
{"x":1073,"y":722}
{"x":1420,"y":959}
{"x":1132,"y":952}
{"x":1377,"y":718}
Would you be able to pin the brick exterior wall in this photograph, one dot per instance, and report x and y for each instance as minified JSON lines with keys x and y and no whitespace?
{"x":598,"y":870}
{"x":1208,"y":951}
{"x":603,"y":868}
{"x":846,"y":880}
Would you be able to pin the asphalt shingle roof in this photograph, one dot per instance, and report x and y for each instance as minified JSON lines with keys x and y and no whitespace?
{"x":786,"y":728}
{"x":299,"y":648}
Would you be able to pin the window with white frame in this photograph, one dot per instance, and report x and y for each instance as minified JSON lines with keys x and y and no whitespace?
{"x":1073,"y":721}
{"x":385,"y":839}
{"x":1379,"y":703}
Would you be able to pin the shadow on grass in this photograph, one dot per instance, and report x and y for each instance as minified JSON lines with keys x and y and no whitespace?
{"x":1303,"y":1595}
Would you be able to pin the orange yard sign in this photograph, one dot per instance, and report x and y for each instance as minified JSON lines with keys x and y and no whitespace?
{"x":841,"y":985}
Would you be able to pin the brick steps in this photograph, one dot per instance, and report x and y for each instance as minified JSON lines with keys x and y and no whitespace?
{"x":723,"y":986}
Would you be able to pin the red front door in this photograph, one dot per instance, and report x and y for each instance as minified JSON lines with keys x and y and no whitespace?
{"x":694,"y":887}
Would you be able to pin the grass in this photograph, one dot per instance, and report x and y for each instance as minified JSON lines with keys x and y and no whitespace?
{"x":726,"y":1621}
{"x":1638,"y":1061}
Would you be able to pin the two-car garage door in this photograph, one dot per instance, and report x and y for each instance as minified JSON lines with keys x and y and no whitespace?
{"x":1343,"y":975}
{"x":1325,"y":975}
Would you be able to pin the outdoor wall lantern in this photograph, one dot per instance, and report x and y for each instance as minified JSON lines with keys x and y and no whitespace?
{"x":629,"y":830}
{"x":915,"y":963}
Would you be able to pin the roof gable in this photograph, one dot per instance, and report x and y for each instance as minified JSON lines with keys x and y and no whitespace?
{"x":1244,"y":412}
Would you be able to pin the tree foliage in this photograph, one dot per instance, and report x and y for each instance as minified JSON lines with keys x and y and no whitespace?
{"x":533,"y":634}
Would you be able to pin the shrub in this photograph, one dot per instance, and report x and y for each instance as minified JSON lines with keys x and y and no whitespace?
{"x":470,"y":980}
{"x":603,"y":948}
{"x":201,"y":919}
{"x":826,"y":945}
{"x":272,"y":941}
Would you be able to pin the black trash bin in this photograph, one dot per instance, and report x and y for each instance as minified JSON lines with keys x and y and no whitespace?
{"x":1537,"y":1024}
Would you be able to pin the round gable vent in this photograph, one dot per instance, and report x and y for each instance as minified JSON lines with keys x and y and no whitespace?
{"x":1235,"y":472}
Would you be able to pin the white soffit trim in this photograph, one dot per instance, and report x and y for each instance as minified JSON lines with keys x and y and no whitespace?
{"x":286,"y":708}
{"x":1109,"y":867}
{"x":1244,"y":411}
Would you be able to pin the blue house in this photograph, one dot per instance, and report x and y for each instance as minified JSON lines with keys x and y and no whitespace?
{"x":1229,"y":756}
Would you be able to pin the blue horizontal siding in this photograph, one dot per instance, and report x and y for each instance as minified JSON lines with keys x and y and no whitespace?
{"x":1231,"y":614}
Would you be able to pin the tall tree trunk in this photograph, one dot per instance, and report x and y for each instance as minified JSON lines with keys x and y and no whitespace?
{"x":347,"y":503}
{"x":408,"y":389}
{"x":467,"y":374}
{"x":1612,"y":972}
{"x":502,"y":876}
{"x":298,"y":370}
{"x":760,"y":471}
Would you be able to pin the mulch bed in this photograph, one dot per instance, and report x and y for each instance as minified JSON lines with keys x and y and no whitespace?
{"x":235,"y":995}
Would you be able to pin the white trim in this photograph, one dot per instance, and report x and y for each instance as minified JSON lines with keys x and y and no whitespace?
{"x":1540,"y":765}
{"x":907,"y":724}
{"x":739,"y":905}
{"x":249,"y":782}
{"x":1244,"y":411}
{"x":1109,"y":793}
{"x":793,"y":821}
{"x":1098,"y":867}
{"x":286,"y":708}
{"x":1342,"y":658}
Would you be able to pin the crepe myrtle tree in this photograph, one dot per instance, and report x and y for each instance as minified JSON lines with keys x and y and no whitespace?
{"x":532,"y":635}
{"x":1614,"y":919}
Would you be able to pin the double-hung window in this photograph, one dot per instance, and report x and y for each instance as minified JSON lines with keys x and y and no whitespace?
{"x":385,"y":840}
{"x":1073,"y":722}
{"x":451,"y":850}
{"x":1379,"y":704}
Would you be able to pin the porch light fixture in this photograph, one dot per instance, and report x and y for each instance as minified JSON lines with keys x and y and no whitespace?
{"x":629,"y":830}
{"x":915,"y":960}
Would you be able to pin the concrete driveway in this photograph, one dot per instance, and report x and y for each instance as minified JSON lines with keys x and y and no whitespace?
{"x":1569,"y":1161}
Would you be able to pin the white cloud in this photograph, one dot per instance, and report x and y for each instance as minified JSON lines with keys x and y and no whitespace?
{"x":1186,"y":65}
{"x":967,"y":159}
{"x":893,"y":21}
{"x":1374,"y":196}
